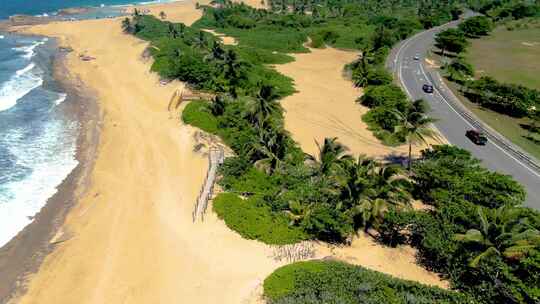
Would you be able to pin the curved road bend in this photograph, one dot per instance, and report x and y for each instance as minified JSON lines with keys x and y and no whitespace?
{"x":412,"y":74}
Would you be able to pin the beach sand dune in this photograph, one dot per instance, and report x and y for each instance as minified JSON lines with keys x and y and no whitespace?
{"x":131,"y":237}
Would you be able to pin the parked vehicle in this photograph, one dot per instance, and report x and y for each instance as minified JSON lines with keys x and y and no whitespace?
{"x":427,"y":88}
{"x":476,"y":137}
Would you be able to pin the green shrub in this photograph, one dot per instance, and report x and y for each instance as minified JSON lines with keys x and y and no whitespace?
{"x":252,"y":219}
{"x":336,"y":282}
{"x":197,"y":114}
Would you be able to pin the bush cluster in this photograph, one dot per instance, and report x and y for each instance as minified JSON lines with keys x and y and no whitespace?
{"x":336,"y":282}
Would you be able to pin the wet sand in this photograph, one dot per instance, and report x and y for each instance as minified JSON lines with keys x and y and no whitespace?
{"x":25,"y":252}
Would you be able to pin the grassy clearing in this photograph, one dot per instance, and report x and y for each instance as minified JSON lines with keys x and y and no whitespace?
{"x":337,"y":282}
{"x":254,"y":220}
{"x":509,"y":56}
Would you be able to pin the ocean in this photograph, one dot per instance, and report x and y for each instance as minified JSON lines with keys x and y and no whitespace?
{"x":50,"y":7}
{"x":38,"y":136}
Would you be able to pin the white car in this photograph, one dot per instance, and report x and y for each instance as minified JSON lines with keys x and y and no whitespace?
{"x":416,"y":57}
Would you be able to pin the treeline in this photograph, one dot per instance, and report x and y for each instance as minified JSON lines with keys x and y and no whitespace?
{"x":199,"y":59}
{"x":510,"y":99}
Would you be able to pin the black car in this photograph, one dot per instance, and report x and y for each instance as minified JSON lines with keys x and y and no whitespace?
{"x":476,"y":137}
{"x":427,"y":88}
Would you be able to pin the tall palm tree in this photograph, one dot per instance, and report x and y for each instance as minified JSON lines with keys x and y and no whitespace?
{"x":415,"y":126}
{"x":501,"y":232}
{"x":200,"y":41}
{"x":263,"y":106}
{"x":270,"y":150}
{"x":370,"y":211}
{"x":173,"y":33}
{"x":332,"y":154}
{"x":234,"y":70}
{"x":371,"y":188}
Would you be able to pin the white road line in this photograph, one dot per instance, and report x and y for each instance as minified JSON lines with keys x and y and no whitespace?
{"x":467,"y":122}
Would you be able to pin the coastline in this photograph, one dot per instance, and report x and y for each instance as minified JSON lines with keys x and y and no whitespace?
{"x":24,"y":253}
{"x":143,"y":184}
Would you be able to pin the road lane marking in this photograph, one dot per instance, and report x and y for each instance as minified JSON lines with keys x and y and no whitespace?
{"x":466,"y":121}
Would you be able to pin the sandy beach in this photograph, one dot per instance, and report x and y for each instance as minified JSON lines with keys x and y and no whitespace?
{"x":130,"y":237}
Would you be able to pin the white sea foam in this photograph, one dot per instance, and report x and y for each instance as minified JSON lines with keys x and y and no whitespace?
{"x":51,"y":157}
{"x":61,"y":98}
{"x":29,"y":51}
{"x":2,"y":37}
{"x":20,"y":84}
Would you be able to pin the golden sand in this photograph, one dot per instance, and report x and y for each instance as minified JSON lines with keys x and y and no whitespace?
{"x":133,"y":237}
{"x":325,"y":105}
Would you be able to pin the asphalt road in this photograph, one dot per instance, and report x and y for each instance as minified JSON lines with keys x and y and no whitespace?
{"x":412,"y":74}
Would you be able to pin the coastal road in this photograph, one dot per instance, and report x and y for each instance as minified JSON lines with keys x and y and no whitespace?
{"x":453,"y":120}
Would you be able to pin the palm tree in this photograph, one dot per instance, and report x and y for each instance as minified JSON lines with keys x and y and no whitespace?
{"x":217,"y":107}
{"x":173,"y":33}
{"x":200,"y":41}
{"x":234,"y":71}
{"x":332,"y":154}
{"x":371,"y":212}
{"x":415,"y":126}
{"x":388,"y":182}
{"x":263,"y":106}
{"x":126,"y":25}
{"x":501,"y":232}
{"x":298,"y":211}
{"x":361,"y":67}
{"x":371,"y":188}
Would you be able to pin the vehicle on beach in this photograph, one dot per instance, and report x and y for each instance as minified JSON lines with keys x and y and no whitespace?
{"x":427,"y":88}
{"x":476,"y":137}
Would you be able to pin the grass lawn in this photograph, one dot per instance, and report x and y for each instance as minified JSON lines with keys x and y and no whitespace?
{"x":509,"y":56}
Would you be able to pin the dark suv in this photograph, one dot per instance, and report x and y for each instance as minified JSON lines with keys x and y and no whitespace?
{"x":476,"y":137}
{"x":427,"y":88}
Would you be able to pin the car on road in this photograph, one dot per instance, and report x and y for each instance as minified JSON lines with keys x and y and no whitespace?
{"x":476,"y":137}
{"x":427,"y":88}
{"x":416,"y":57}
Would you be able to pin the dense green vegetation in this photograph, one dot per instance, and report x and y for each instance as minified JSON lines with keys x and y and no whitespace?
{"x":477,"y":235}
{"x":253,"y":219}
{"x":335,"y":282}
{"x":277,"y":194}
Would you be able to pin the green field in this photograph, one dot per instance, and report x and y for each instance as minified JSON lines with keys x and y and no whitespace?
{"x":509,"y":56}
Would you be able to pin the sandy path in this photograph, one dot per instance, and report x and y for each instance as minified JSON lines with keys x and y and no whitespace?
{"x":325,"y":104}
{"x":133,"y":238}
